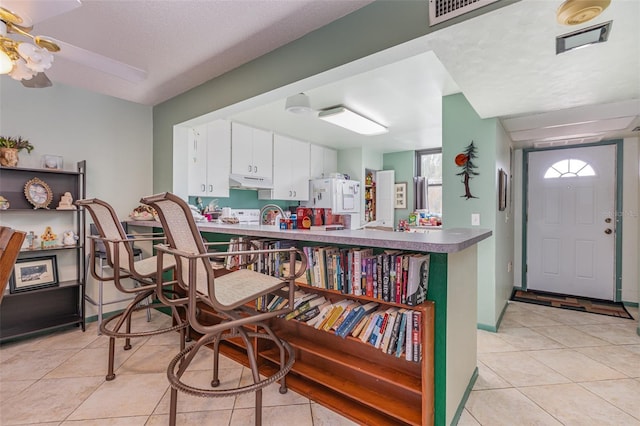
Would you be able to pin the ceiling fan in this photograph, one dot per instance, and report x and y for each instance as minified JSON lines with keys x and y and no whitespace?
{"x":26,"y":60}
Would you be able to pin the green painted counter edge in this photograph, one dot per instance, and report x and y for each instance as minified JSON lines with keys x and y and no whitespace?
{"x":437,"y":292}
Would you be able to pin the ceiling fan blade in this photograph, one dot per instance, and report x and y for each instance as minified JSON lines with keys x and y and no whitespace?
{"x":38,"y":81}
{"x":34,"y":11}
{"x":99,"y":62}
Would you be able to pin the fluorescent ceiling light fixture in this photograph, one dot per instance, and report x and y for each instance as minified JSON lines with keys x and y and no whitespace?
{"x":343,"y":117}
{"x":584,"y":37}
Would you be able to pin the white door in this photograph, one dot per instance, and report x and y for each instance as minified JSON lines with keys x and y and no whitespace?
{"x":385,"y":196}
{"x":571,"y":221}
{"x":197,"y":154}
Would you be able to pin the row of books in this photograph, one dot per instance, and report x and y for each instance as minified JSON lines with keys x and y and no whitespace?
{"x":391,"y":276}
{"x":393,"y":330}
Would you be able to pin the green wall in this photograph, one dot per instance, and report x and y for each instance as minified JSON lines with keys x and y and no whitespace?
{"x":374,"y":28}
{"x":460,"y":125}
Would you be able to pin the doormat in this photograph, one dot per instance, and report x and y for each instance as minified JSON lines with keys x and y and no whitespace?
{"x":583,"y":304}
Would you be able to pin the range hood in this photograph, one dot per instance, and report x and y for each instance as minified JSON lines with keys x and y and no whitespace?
{"x":237,"y":181}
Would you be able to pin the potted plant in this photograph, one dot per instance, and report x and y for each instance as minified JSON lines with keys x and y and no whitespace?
{"x":9,"y":148}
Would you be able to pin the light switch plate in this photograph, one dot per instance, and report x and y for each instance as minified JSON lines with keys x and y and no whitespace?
{"x":475,"y":219}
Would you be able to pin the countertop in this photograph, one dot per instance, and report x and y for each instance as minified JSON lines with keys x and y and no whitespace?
{"x":436,"y":240}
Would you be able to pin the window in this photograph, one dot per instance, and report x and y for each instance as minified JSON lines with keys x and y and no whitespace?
{"x":428,"y":181}
{"x":569,"y":168}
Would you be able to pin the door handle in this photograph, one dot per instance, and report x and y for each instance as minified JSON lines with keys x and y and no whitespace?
{"x":607,"y":220}
{"x":608,"y":231}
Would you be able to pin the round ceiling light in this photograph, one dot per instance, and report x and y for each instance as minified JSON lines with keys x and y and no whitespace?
{"x":575,"y":12}
{"x":298,"y":104}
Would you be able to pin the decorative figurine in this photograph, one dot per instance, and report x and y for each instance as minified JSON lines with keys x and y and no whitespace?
{"x":31,"y":240}
{"x":69,"y":238}
{"x":4,"y":203}
{"x":48,"y":239}
{"x":66,"y":202}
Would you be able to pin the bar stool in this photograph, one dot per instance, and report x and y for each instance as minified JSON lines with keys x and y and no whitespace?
{"x":101,"y":258}
{"x":228,"y":296}
{"x":120,"y":258}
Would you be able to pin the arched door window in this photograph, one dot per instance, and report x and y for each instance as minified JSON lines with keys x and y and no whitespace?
{"x":569,"y":168}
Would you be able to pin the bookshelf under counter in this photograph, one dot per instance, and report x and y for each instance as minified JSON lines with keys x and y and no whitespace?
{"x":452,"y":296}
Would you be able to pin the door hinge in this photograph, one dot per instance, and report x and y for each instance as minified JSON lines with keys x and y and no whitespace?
{"x":526,"y":268}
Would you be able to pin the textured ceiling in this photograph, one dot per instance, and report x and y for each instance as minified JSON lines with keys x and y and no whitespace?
{"x":503,"y":61}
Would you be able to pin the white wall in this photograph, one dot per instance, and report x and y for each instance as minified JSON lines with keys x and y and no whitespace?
{"x":113,"y":136}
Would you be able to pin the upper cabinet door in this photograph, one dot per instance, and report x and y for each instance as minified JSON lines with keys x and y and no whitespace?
{"x":218,"y":158}
{"x":324,"y":161}
{"x":300,"y":170}
{"x":241,"y":149}
{"x":197,"y":157}
{"x":251,"y":151}
{"x":262,"y":153}
{"x":330,"y":162}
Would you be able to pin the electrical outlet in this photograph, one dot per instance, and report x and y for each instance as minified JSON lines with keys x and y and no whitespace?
{"x":475,"y":219}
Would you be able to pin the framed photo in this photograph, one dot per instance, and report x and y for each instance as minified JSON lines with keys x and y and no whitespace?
{"x":52,"y":162}
{"x":32,"y":273}
{"x":502,"y":190}
{"x":38,"y":193}
{"x":400,"y":196}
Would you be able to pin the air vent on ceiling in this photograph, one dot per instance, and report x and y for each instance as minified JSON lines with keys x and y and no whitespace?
{"x":576,"y":141}
{"x":443,"y":10}
{"x":585,"y":37}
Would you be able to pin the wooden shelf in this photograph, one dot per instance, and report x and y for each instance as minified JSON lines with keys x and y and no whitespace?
{"x":348,"y":376}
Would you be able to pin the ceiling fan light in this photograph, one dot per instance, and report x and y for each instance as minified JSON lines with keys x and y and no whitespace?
{"x":6,"y":64}
{"x":298,"y":104}
{"x":37,"y":58}
{"x":21,"y":71}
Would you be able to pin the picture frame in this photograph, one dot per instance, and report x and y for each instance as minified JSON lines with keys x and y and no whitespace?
{"x":502,"y":190}
{"x":51,"y":162}
{"x":400,"y":195}
{"x":38,"y":193}
{"x":33,"y":273}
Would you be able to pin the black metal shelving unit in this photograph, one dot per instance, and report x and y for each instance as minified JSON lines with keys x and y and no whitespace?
{"x":42,"y":309}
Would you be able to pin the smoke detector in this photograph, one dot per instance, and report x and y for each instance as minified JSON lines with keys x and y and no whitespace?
{"x":575,"y":12}
{"x":298,"y":104}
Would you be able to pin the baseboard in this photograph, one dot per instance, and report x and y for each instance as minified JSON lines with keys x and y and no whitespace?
{"x":465,"y":397}
{"x":631,"y":304}
{"x":494,"y":328}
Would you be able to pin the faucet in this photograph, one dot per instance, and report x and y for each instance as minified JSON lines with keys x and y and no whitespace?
{"x":269,"y":220}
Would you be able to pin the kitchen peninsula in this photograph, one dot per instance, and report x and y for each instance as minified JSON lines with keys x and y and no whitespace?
{"x":448,"y":370}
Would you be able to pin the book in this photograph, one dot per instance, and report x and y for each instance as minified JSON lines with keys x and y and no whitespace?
{"x":354,"y":318}
{"x":366,"y":332}
{"x":360,"y":325}
{"x":335,"y":313}
{"x":416,"y":338}
{"x":375,"y":330}
{"x":305,"y":306}
{"x":395,"y":332}
{"x":311,"y":313}
{"x":408,"y":346}
{"x":347,"y":310}
{"x":401,"y":343}
{"x":418,"y":279}
{"x":321,"y":316}
{"x":388,"y":331}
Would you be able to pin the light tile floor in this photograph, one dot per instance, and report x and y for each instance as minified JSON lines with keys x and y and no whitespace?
{"x":545,"y":366}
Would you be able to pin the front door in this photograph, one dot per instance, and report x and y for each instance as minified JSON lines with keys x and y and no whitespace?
{"x":571,"y":221}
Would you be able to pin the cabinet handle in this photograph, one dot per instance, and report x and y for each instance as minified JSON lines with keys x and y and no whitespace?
{"x":203,"y":187}
{"x":290,"y":193}
{"x":249,"y":168}
{"x":295,"y":193}
{"x":210,"y":188}
{"x":255,"y":169}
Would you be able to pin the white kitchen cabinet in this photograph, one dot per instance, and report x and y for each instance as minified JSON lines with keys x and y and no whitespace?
{"x":209,"y":152}
{"x":251,"y":151}
{"x":324,"y":161}
{"x":291,"y":158}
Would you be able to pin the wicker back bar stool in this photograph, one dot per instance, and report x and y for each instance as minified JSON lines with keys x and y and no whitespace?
{"x":229,"y":295}
{"x":121,"y":257}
